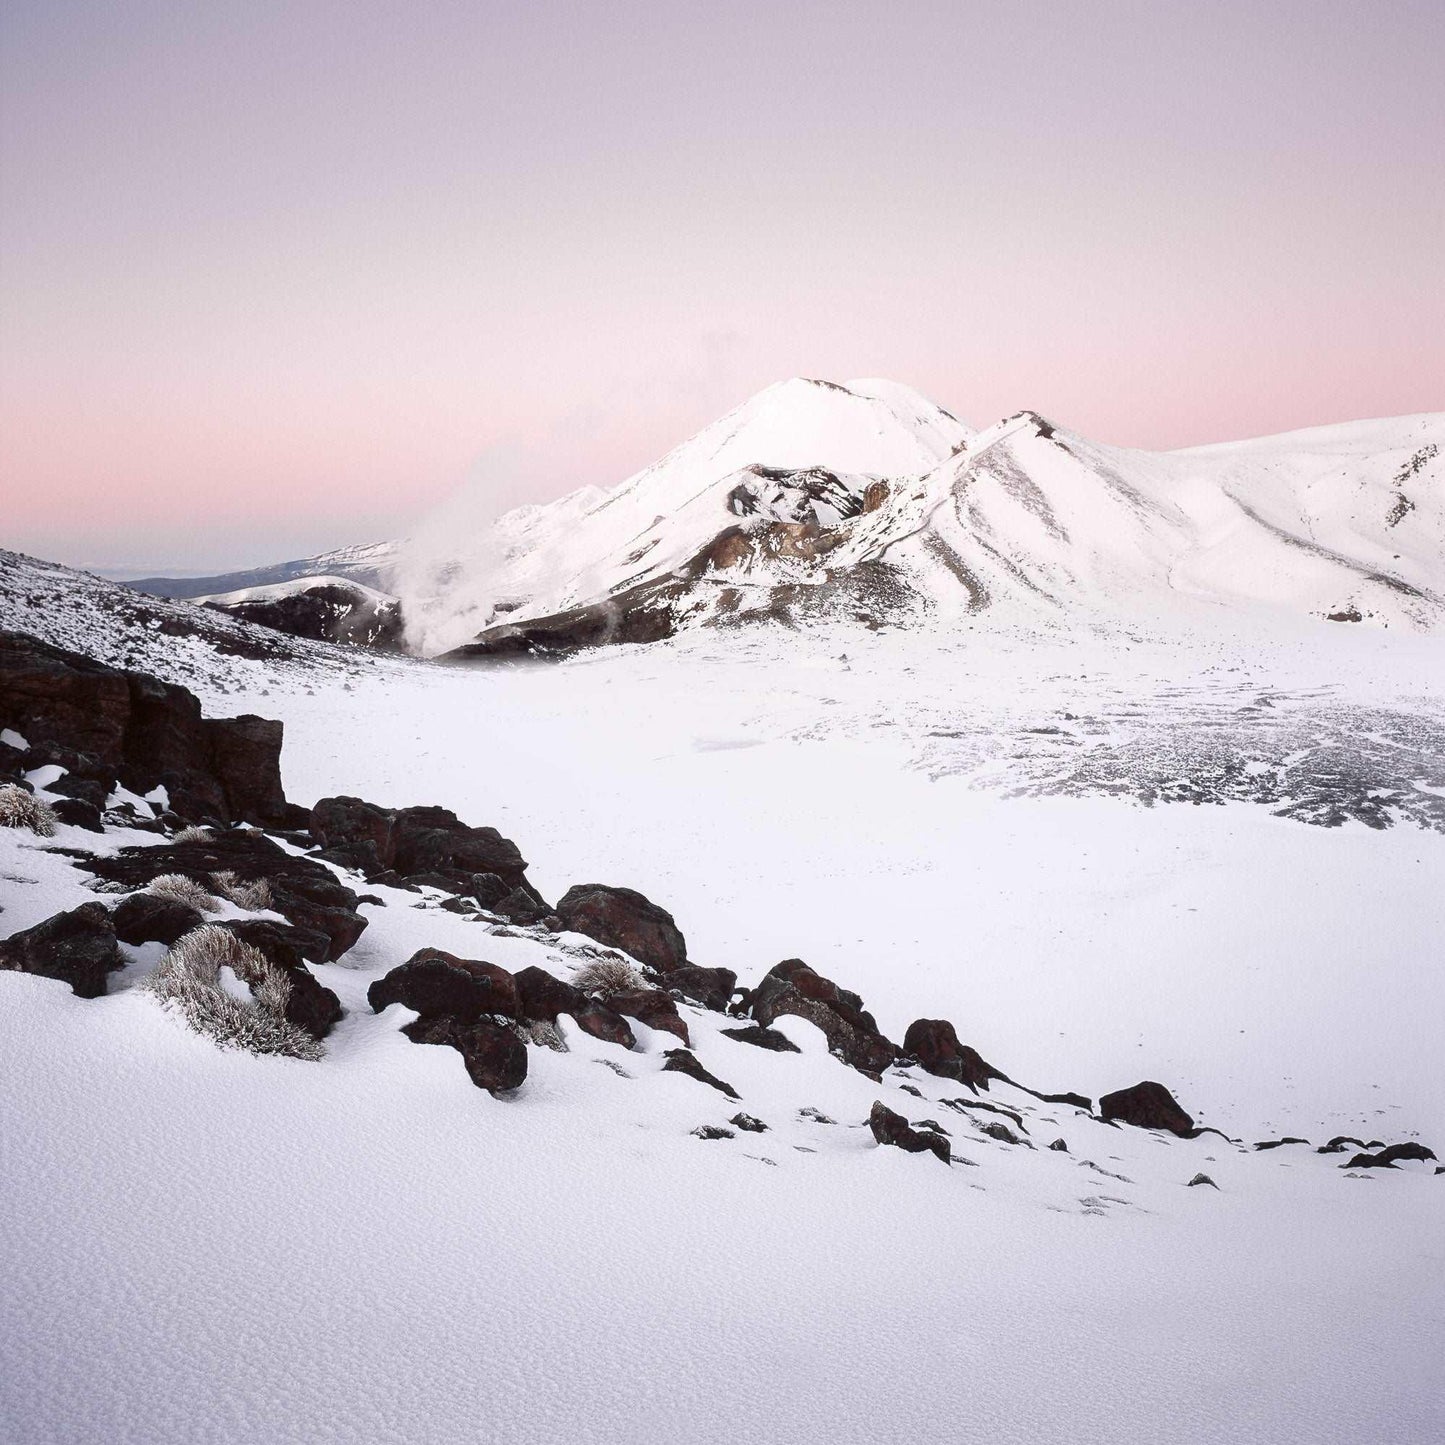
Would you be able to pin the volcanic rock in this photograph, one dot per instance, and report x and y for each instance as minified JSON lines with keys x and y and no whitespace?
{"x":148,"y":918}
{"x":1147,"y":1106}
{"x":77,"y":948}
{"x":763,"y":1038}
{"x":622,"y":918}
{"x":791,"y":987}
{"x":893,"y":1129}
{"x":652,"y":1007}
{"x":934,"y":1043}
{"x":131,"y":726}
{"x":604,"y":1023}
{"x":683,"y":1061}
{"x":495,"y":1058}
{"x":1388,"y":1157}
{"x":438,"y":984}
{"x":305,"y":892}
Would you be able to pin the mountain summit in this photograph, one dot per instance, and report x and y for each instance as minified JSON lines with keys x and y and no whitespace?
{"x":866,"y":503}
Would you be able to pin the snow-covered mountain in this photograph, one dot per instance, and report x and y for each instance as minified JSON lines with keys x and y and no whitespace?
{"x":815,"y":503}
{"x":867,"y":503}
{"x":801,"y":454}
{"x":367,"y":565}
{"x":325,"y":609}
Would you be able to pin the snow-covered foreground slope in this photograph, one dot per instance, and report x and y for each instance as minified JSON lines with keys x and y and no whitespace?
{"x":369,"y":1248}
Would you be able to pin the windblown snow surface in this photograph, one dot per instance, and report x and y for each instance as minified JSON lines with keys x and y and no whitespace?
{"x":1103,"y":855}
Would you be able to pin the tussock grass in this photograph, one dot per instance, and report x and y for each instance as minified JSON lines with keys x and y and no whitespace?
{"x":189,"y":980}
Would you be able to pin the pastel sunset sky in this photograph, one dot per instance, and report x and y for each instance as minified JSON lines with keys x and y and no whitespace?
{"x":276,"y":277}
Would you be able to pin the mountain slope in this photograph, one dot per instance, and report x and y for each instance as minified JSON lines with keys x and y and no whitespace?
{"x":1024,"y":522}
{"x":367,"y":565}
{"x":593,"y":545}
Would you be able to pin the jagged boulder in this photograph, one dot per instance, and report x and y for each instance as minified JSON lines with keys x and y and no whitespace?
{"x":652,"y":1007}
{"x":437,"y":984}
{"x":149,"y":918}
{"x":77,"y":948}
{"x":425,"y":844}
{"x":684,"y":1061}
{"x":495,"y":1058}
{"x":145,"y":732}
{"x":604,"y":1023}
{"x":1390,"y":1156}
{"x":311,"y":1005}
{"x":791,"y":987}
{"x":763,"y":1038}
{"x":1147,"y":1106}
{"x":304,"y":892}
{"x":713,"y":988}
{"x":625,"y":919}
{"x":935,"y":1044}
{"x":893,"y":1129}
{"x":541,"y":997}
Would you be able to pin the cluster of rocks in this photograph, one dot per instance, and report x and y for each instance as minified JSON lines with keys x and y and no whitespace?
{"x":103,"y":727}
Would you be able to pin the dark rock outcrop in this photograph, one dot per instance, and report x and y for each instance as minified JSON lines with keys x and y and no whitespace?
{"x":893,"y":1129}
{"x":495,"y":1058}
{"x":311,"y":1005}
{"x":541,"y":997}
{"x":147,"y":918}
{"x":606,"y":1024}
{"x":935,"y":1044}
{"x":1390,"y":1156}
{"x":143,"y":732}
{"x":437,"y":984}
{"x":1147,"y":1106}
{"x":652,"y":1007}
{"x":683,"y":1061}
{"x":327,"y":612}
{"x":304,"y":892}
{"x":79,"y":814}
{"x":1201,"y":1179}
{"x":422,"y":844}
{"x":748,"y":1124}
{"x":763,"y":1038}
{"x":791,"y":987}
{"x":713,"y":988}
{"x":622,"y":918}
{"x":77,"y":948}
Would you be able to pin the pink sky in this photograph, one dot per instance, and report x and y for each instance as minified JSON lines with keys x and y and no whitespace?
{"x":279,"y":276}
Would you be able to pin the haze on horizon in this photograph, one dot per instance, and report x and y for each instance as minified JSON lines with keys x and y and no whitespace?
{"x":281,"y":277}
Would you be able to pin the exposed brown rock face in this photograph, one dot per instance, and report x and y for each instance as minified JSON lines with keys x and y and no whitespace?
{"x":424,"y":842}
{"x":893,"y":1129}
{"x":934,"y":1043}
{"x":1147,"y":1106}
{"x":495,"y":1058}
{"x":438,"y":984}
{"x":625,"y":919}
{"x":791,"y":987}
{"x":652,"y":1007}
{"x":77,"y":948}
{"x":144,"y":733}
{"x":306,"y":893}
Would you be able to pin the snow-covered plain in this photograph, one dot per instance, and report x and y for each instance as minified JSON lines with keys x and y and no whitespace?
{"x":204,"y":1246}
